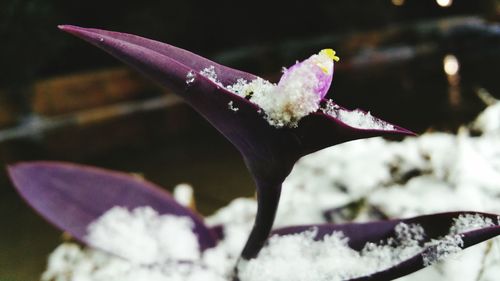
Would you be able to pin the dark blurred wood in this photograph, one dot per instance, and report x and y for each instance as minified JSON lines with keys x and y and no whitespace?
{"x":394,"y":72}
{"x":9,"y":112}
{"x":91,"y":138}
{"x":74,"y":92}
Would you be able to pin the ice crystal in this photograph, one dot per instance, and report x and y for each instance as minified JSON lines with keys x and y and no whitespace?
{"x":209,"y":72}
{"x":241,"y":88}
{"x":190,"y":77}
{"x":232,"y":107}
{"x":470,"y":222}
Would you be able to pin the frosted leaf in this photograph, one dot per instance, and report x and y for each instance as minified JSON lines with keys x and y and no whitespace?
{"x":282,"y":105}
{"x":299,"y":257}
{"x":356,"y":118}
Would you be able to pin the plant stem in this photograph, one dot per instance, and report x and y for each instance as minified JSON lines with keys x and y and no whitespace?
{"x":267,"y":197}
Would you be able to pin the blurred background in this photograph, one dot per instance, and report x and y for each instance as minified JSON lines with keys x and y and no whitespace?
{"x":422,"y":64}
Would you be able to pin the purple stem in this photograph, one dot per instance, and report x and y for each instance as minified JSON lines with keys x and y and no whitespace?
{"x":268,"y":198}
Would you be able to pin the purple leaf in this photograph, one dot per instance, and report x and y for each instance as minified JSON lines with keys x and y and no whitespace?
{"x":72,"y":196}
{"x":262,"y":145}
{"x":269,"y":152}
{"x":435,"y":226}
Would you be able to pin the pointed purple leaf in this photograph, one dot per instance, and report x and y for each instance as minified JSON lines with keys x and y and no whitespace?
{"x":269,"y":152}
{"x":72,"y":196}
{"x":435,"y":226}
{"x":258,"y":141}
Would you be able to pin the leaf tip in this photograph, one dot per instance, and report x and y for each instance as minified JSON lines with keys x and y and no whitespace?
{"x":67,"y":27}
{"x":14,"y":169}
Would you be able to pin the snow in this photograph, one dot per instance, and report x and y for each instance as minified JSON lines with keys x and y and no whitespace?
{"x":237,"y":219}
{"x":243,"y":88}
{"x":489,"y":120}
{"x":298,"y":93}
{"x":298,"y":257}
{"x":209,"y":72}
{"x":190,"y":77}
{"x":184,"y":195}
{"x":356,"y":118}
{"x":441,"y":249}
{"x":289,"y":257}
{"x":69,"y":262}
{"x":285,"y":103}
{"x":436,"y":172}
{"x":144,"y":237}
{"x":470,"y":222}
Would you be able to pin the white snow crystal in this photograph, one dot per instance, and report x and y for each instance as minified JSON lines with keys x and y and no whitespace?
{"x":190,"y":77}
{"x":470,"y":222}
{"x":232,"y":107}
{"x":209,"y":72}
{"x":241,"y":88}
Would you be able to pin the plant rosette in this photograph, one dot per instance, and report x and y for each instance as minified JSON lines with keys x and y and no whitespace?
{"x":137,"y":231}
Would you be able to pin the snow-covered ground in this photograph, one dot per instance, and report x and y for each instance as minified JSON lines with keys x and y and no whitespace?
{"x":357,"y":181}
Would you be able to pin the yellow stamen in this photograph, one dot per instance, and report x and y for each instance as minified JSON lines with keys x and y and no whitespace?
{"x":323,"y":68}
{"x":330,"y":53}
